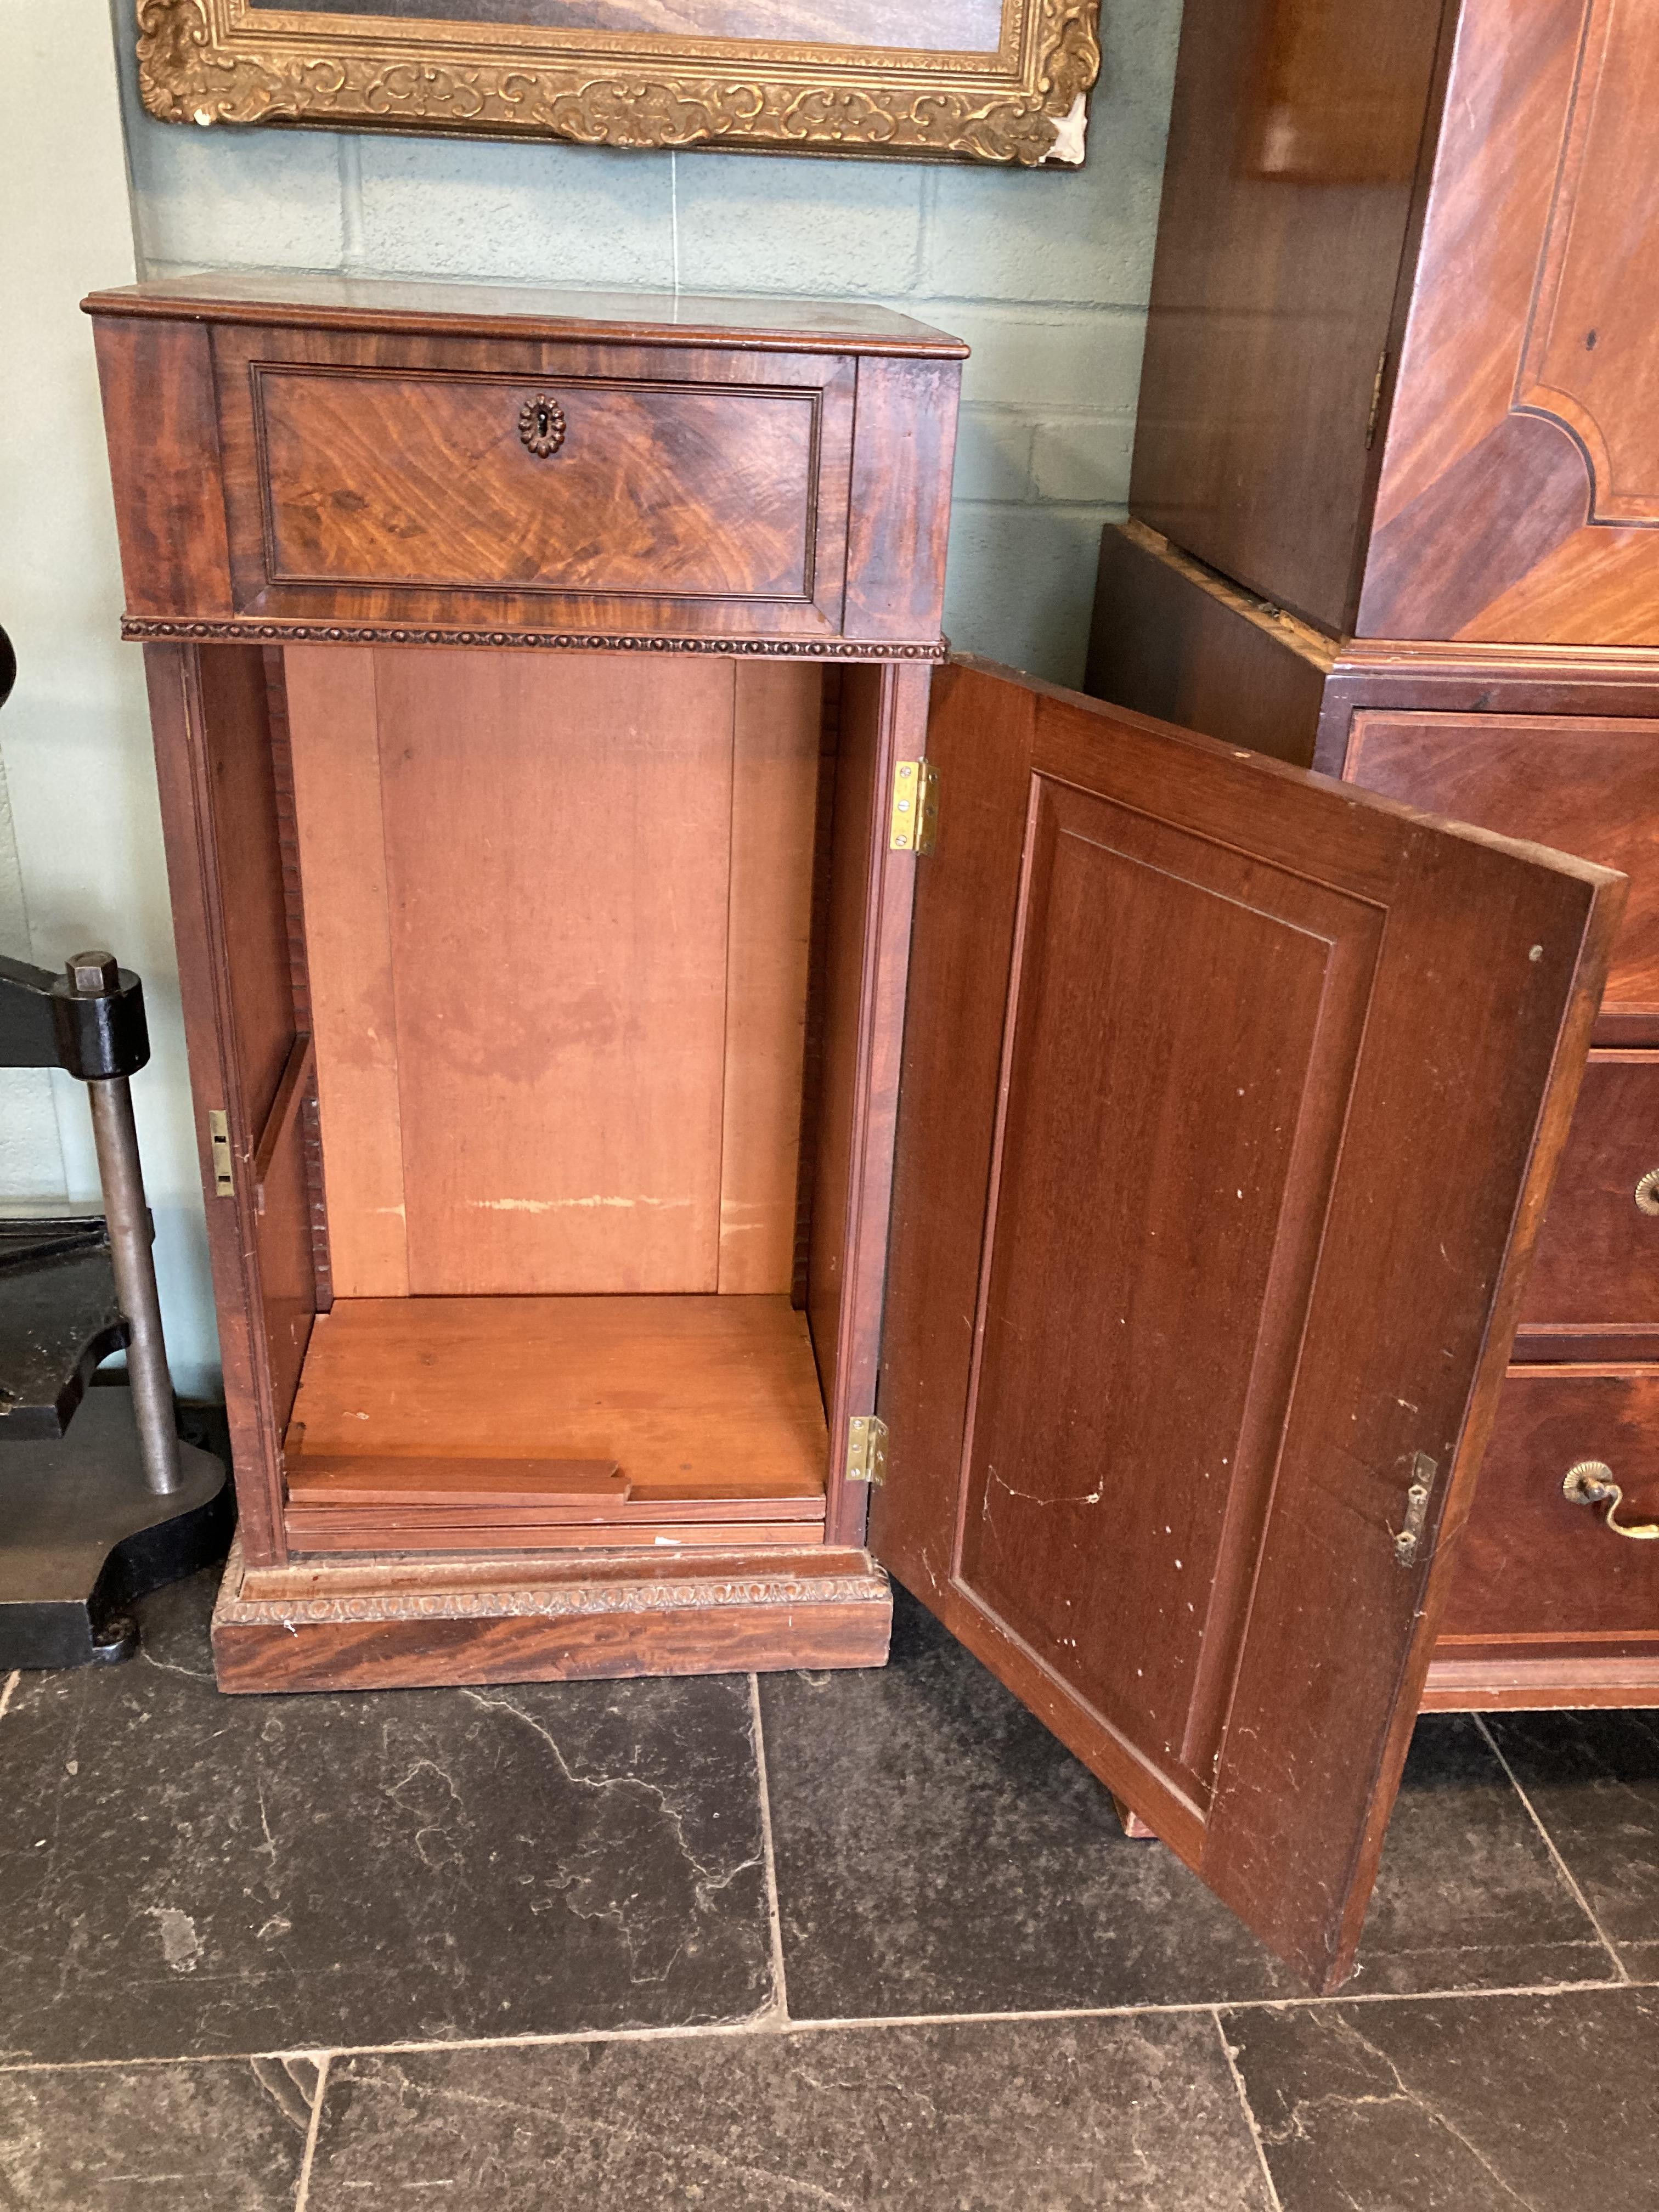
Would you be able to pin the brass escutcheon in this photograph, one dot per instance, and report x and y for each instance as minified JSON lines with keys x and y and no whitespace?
{"x":541,"y":426}
{"x":1647,"y":1191}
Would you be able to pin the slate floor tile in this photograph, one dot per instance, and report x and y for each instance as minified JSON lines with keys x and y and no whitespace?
{"x":228,"y":2137}
{"x":938,"y":1851}
{"x":1548,"y":2104}
{"x":183,"y":1873}
{"x":1005,"y":2116}
{"x":1594,"y":1780}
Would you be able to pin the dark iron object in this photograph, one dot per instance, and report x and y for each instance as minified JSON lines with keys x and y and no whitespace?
{"x":46,"y":1023}
{"x":59,"y":1318}
{"x":86,"y":1538}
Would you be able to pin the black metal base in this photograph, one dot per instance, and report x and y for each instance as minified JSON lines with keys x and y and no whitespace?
{"x":81,"y":1539}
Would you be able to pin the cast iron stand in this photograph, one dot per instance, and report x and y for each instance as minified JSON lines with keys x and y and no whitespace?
{"x":89,"y":1526}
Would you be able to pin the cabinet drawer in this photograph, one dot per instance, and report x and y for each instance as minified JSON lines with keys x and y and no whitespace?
{"x":691,"y":491}
{"x":375,"y":476}
{"x":1586,"y":785}
{"x":1597,"y":1261}
{"x":1534,"y":1567}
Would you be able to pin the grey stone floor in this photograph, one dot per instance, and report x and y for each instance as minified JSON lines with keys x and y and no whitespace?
{"x":812,"y":1941}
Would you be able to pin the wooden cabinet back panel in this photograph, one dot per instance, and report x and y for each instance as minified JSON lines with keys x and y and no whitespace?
{"x":1582,"y":786}
{"x":388,"y":477}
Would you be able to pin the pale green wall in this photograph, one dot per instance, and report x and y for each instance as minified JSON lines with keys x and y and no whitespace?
{"x":80,"y":830}
{"x":1045,"y":274}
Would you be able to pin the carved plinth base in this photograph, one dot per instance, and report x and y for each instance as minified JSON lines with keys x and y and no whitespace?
{"x":407,"y":1623}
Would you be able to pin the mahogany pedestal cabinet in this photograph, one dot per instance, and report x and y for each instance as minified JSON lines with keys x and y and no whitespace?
{"x":1396,"y":513}
{"x":630,"y":1234}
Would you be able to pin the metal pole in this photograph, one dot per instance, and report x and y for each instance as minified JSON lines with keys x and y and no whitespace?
{"x":94,"y":974}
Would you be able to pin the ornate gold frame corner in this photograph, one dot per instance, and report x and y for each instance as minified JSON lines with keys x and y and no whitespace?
{"x":219,"y":61}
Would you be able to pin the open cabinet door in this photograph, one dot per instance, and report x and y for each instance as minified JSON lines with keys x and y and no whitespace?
{"x":1231,"y":1098}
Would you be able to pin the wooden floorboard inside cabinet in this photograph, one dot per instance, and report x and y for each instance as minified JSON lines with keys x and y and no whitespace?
{"x":707,"y":1408}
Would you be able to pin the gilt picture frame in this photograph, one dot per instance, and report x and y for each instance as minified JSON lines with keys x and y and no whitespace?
{"x":999,"y":80}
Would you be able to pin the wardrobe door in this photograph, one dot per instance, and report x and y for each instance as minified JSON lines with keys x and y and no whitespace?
{"x":1229,"y":1103}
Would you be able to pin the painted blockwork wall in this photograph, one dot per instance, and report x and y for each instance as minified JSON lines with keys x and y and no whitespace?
{"x":80,"y":830}
{"x":1045,"y":274}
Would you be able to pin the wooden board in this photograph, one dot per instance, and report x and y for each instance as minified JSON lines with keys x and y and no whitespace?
{"x":334,"y":740}
{"x":392,"y":1623}
{"x":692,"y":1398}
{"x":1231,"y":1103}
{"x":774,"y":784}
{"x":559,"y":922}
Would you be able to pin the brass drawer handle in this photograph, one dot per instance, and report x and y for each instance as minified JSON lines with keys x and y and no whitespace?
{"x":1647,"y":1191}
{"x":1590,"y":1483}
{"x":542,"y":425}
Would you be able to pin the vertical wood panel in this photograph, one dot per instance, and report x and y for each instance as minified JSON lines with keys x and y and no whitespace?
{"x":557,"y":838}
{"x":178,"y":720}
{"x":774,"y":809}
{"x":883,"y":717}
{"x":336,"y":785}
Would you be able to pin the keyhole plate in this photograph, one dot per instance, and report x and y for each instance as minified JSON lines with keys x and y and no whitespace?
{"x":541,"y":426}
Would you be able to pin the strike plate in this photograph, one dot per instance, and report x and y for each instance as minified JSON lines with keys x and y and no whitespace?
{"x":224,"y":1184}
{"x":1424,"y":1470}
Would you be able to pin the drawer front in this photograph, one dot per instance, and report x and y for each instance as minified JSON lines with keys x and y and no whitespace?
{"x":559,"y":483}
{"x":568,"y":488}
{"x":1534,"y":1567}
{"x":1598,"y":1261}
{"x":1588,"y":786}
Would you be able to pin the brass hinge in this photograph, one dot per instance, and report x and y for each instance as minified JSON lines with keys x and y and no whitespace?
{"x":1424,"y":1470}
{"x":915,"y":807}
{"x":866,"y":1449}
{"x":224,"y":1183}
{"x":1376,"y":399}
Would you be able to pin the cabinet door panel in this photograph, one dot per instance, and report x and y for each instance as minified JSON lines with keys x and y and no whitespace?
{"x":1228,"y":1107}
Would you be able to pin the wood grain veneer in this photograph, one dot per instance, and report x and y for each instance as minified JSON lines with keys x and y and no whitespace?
{"x":1412,"y":399}
{"x":724,"y":482}
{"x":399,"y":1624}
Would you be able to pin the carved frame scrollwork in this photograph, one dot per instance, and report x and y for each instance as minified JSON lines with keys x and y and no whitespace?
{"x":224,"y":61}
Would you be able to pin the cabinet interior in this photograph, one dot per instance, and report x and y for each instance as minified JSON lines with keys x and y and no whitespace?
{"x":574,"y":939}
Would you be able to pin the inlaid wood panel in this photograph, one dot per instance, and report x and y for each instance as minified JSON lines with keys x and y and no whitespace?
{"x":692,"y":491}
{"x":1582,"y":784}
{"x":559,"y":967}
{"x":1228,"y":1120}
{"x":1520,"y":485}
{"x":382,"y":476}
{"x":1589,"y":358}
{"x":1536,"y":1572}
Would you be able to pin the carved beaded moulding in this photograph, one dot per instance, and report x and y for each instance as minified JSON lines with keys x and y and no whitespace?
{"x":234,"y":630}
{"x":223,"y":61}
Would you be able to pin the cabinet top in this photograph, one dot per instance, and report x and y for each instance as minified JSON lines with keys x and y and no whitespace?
{"x":362,"y":303}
